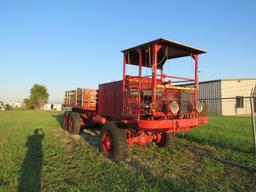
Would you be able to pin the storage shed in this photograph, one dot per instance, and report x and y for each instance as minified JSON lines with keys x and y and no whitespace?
{"x":226,"y":96}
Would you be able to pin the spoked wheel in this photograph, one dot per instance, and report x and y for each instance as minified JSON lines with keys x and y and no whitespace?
{"x":164,"y":140}
{"x":65,"y":120}
{"x":113,"y":142}
{"x":74,"y":123}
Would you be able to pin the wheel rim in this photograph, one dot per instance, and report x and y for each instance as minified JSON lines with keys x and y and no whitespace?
{"x":107,"y":142}
{"x":70,"y":124}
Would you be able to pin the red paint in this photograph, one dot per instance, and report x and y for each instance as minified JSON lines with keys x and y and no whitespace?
{"x":65,"y":121}
{"x":107,"y":142}
{"x":110,"y":99}
{"x":99,"y":119}
{"x":176,"y":77}
{"x":175,"y":125}
{"x":195,"y":57}
{"x":142,"y":137}
{"x":70,"y":124}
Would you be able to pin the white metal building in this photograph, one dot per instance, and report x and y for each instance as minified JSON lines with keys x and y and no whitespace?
{"x":227,"y":96}
{"x":52,"y":107}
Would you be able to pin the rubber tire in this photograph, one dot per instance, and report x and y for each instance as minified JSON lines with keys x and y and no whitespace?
{"x":65,"y":114}
{"x":119,"y":138}
{"x":166,"y":140}
{"x":76,"y":121}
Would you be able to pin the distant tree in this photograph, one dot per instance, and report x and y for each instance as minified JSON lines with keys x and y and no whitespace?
{"x":38,"y":97}
{"x":8,"y":107}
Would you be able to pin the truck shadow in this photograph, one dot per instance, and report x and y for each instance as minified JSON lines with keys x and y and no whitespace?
{"x":89,"y":135}
{"x":30,"y":179}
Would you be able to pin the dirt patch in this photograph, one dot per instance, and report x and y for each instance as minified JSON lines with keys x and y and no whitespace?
{"x":70,"y":148}
{"x":76,"y":137}
{"x":191,"y":165}
{"x":67,"y":140}
{"x":191,"y":154}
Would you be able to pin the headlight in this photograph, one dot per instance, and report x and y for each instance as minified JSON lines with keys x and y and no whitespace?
{"x":199,"y":107}
{"x":174,"y":107}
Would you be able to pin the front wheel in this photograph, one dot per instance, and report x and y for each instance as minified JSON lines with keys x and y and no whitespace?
{"x":113,"y":142}
{"x":164,"y":140}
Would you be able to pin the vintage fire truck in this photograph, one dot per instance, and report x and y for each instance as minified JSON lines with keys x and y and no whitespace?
{"x":142,"y":108}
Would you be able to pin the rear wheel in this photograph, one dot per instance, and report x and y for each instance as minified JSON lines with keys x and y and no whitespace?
{"x":165,"y":140}
{"x":113,"y":142}
{"x":65,"y":120}
{"x":74,"y":123}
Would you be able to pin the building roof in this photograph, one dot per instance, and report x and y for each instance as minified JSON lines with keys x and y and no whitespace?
{"x":170,"y":50}
{"x":217,"y":80}
{"x":237,"y":79}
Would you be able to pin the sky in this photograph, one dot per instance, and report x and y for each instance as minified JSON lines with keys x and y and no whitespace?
{"x":69,"y":44}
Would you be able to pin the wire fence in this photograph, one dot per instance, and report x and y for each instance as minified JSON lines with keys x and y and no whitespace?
{"x":232,"y":122}
{"x":230,"y":106}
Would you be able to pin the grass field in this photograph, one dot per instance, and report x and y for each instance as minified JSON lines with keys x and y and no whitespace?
{"x":228,"y":132}
{"x":37,"y":155}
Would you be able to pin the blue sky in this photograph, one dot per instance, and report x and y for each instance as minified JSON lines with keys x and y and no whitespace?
{"x":68,"y":44}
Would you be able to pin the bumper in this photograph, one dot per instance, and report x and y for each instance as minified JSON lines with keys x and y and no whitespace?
{"x":174,"y":125}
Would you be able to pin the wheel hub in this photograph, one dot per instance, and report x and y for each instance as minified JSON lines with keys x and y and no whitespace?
{"x":107,"y":142}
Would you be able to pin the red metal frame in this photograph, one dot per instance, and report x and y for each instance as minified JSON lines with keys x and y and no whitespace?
{"x":83,"y":108}
{"x":195,"y":57}
{"x":141,"y":137}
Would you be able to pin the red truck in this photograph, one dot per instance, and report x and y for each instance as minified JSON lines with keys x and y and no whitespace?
{"x":143,"y":108}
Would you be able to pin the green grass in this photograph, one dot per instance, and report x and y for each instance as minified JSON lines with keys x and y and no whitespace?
{"x":37,"y":155}
{"x":228,"y":132}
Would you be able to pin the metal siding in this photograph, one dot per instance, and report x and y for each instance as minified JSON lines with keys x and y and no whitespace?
{"x":210,"y":92}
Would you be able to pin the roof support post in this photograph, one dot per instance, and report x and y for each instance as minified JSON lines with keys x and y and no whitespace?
{"x":154,"y":75}
{"x":195,"y":57}
{"x":124,"y":83}
{"x":139,"y":50}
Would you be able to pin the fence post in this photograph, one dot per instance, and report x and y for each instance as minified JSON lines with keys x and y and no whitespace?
{"x":253,"y":117}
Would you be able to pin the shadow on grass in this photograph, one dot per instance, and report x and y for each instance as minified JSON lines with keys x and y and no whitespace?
{"x":30,"y":179}
{"x":90,"y":135}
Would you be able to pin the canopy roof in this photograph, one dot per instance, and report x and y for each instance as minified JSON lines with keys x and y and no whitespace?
{"x":169,"y":50}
